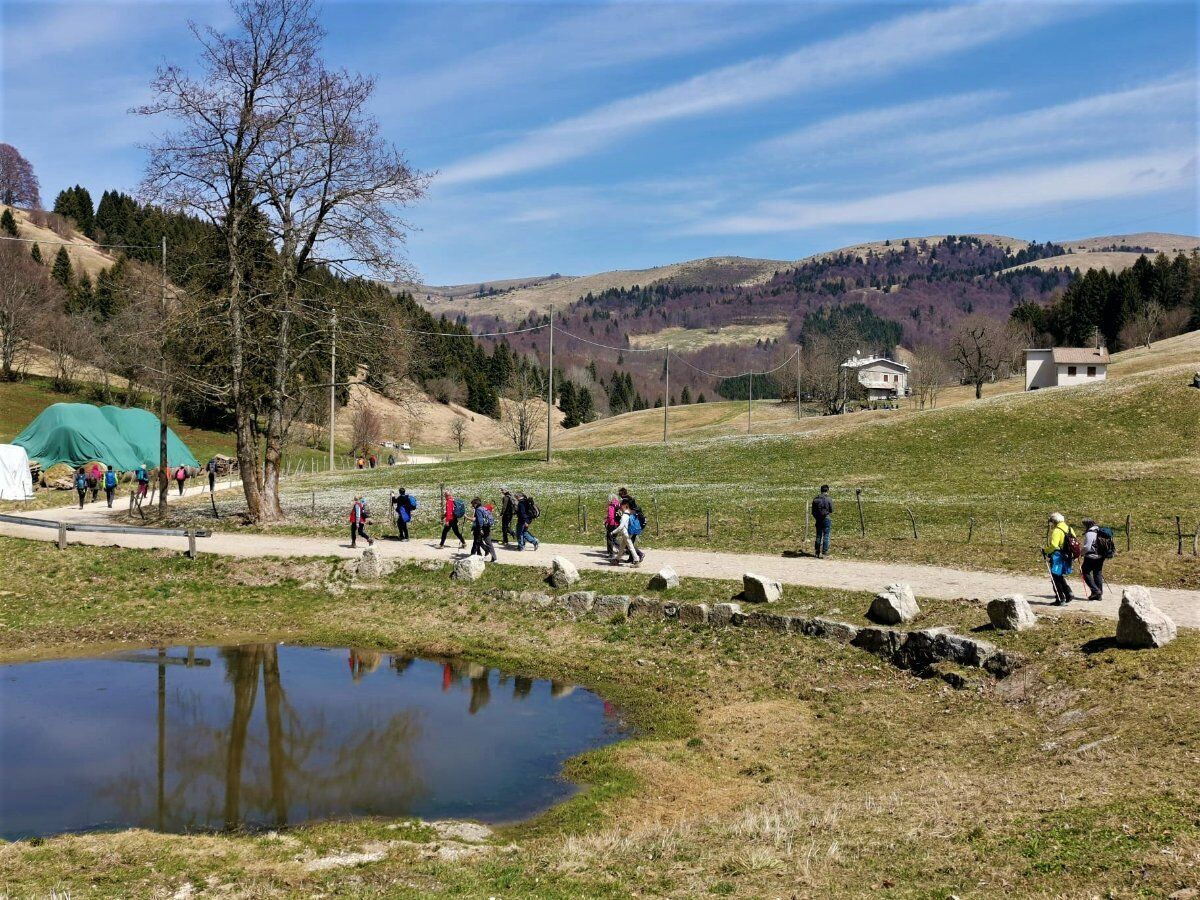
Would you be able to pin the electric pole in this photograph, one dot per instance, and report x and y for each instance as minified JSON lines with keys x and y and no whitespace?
{"x":797,"y":382}
{"x":550,"y":395}
{"x":666,"y":391}
{"x":332,"y":384}
{"x":749,"y":403}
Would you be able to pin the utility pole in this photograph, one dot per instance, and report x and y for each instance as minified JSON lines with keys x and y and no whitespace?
{"x":332,"y":384}
{"x":162,"y":383}
{"x":666,"y":391}
{"x":550,"y":395}
{"x":749,"y":403}
{"x":797,"y":382}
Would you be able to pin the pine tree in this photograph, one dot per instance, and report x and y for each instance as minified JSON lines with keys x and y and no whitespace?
{"x":700,"y":399}
{"x":36,"y":254}
{"x":82,"y":296}
{"x":685,"y":396}
{"x":61,"y":271}
{"x":9,"y":223}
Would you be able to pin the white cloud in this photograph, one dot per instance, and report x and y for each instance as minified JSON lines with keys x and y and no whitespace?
{"x":879,"y":50}
{"x":974,"y":197}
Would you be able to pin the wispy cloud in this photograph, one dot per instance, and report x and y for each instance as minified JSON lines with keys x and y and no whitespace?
{"x":873,"y":52}
{"x":975,"y":197}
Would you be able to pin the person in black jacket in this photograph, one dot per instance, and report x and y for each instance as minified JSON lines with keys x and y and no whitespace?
{"x":508,"y":511}
{"x":404,"y":509}
{"x":822,"y":511}
{"x":526,"y":513}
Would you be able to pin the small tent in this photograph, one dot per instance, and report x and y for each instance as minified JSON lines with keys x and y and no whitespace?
{"x":15,"y":481}
{"x":77,"y":433}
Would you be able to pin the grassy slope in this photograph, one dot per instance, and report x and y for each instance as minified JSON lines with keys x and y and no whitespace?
{"x":764,"y":765}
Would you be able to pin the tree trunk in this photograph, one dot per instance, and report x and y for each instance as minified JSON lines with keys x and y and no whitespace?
{"x":979,"y":390}
{"x":243,"y":409}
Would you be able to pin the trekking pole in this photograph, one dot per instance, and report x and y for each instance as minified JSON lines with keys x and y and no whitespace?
{"x":1053,"y":583}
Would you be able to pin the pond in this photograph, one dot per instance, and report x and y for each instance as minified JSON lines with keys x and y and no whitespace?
{"x":269,"y":735}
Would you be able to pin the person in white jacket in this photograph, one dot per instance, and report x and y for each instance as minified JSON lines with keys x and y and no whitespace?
{"x":623,"y":540}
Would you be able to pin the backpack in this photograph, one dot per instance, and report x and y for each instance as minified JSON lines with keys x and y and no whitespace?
{"x":91,"y":481}
{"x":110,"y":479}
{"x":1071,"y":548}
{"x":460,"y":509}
{"x":635,"y":526}
{"x":532,"y":508}
{"x":80,"y":482}
{"x":1104,"y":544}
{"x":412,"y":503}
{"x":141,"y":474}
{"x":489,"y":519}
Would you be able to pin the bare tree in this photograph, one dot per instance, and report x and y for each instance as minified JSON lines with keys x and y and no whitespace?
{"x":1144,"y":324}
{"x":24,"y":292}
{"x":823,"y":379}
{"x":523,"y":412}
{"x":979,"y":348}
{"x":67,"y":339}
{"x":366,"y":428}
{"x":18,"y":183}
{"x":458,"y":431}
{"x":928,"y":374}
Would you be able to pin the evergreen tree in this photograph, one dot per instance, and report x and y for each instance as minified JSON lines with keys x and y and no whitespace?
{"x":566,"y":402}
{"x":9,"y":223}
{"x":81,"y":299}
{"x":685,"y":396}
{"x":700,"y":399}
{"x":585,"y":407}
{"x":36,"y":254}
{"x":61,"y":271}
{"x":75,"y":203}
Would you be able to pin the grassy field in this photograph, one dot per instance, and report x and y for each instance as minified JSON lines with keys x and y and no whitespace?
{"x":761,"y":764}
{"x":1123,"y":447}
{"x":687,"y":339}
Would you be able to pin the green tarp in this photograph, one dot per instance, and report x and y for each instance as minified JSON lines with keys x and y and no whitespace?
{"x":77,"y":433}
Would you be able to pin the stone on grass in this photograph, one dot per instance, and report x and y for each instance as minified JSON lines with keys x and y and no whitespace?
{"x":610,"y":606}
{"x":723,"y":614}
{"x":645,"y":608}
{"x":1011,"y":613}
{"x":535,"y":598}
{"x":563,"y":573}
{"x":670,"y":610}
{"x":1003,"y":663}
{"x":966,"y":651}
{"x":693,"y":613}
{"x":469,"y":568}
{"x":665,"y":580}
{"x":831,"y":629}
{"x":760,"y":589}
{"x":369,"y":566}
{"x":770,"y":621}
{"x":1141,"y":624}
{"x":885,"y":642}
{"x":894,"y":605}
{"x":578,"y":602}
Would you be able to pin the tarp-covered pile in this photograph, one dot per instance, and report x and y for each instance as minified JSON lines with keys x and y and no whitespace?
{"x":15,"y":480}
{"x":78,"y":433}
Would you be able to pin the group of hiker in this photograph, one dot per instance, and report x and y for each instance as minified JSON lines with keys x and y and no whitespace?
{"x":1063,"y":547}
{"x":92,"y":479}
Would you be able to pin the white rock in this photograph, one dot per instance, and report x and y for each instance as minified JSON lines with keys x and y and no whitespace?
{"x":760,"y":589}
{"x":1140,"y":623}
{"x":1011,"y":613}
{"x":666,"y":579}
{"x":563,"y":572}
{"x":894,"y":605}
{"x":469,"y":568}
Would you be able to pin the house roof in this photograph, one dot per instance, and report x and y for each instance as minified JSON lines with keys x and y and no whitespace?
{"x":870,"y":360}
{"x":1081,"y":356}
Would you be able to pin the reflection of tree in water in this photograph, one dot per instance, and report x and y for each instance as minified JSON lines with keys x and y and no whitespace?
{"x":305,"y":764}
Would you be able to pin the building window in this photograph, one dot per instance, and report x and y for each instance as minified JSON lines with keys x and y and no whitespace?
{"x":1091,"y":371}
{"x":1071,"y":371}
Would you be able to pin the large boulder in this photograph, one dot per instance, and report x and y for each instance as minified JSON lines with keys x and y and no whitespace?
{"x":563,"y":573}
{"x":1011,"y":613}
{"x":760,"y":589}
{"x":1140,"y":623}
{"x":469,"y":568}
{"x":894,"y":605}
{"x":665,"y":580}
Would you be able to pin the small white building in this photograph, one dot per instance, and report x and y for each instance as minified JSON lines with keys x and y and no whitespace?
{"x":883,"y":379}
{"x":1064,"y":366}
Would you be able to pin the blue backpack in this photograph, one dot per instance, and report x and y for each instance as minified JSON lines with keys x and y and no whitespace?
{"x":110,"y":479}
{"x":635,"y":525}
{"x":412,"y":502}
{"x":80,"y":482}
{"x":460,"y":509}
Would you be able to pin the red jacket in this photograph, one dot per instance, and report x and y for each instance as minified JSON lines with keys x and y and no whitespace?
{"x":448,"y":517}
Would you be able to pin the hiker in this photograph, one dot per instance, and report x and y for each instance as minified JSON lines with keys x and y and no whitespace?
{"x":143,"y":481}
{"x":612,"y":517}
{"x":481,"y":529}
{"x":360,"y":518}
{"x":212,"y":474}
{"x":527,"y":511}
{"x":91,"y":483}
{"x":110,"y":485}
{"x":508,"y":511}
{"x":453,"y":511}
{"x":359,"y":462}
{"x":374,"y":460}
{"x":180,"y":478}
{"x":405,"y":504}
{"x":1098,"y":546}
{"x":81,"y":485}
{"x":636,"y":511}
{"x":822,"y":513}
{"x":1062,"y":549}
{"x":95,"y":479}
{"x":627,"y":529}
{"x":391,"y":459}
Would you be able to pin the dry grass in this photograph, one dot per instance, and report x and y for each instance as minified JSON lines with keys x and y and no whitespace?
{"x":689,"y":339}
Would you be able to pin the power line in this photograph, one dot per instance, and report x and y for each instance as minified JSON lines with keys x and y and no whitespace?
{"x":456,"y":334}
{"x":786,"y":362}
{"x":78,"y":245}
{"x":610,"y":347}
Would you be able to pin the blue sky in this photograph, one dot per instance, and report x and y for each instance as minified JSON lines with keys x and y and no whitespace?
{"x":580,"y":137}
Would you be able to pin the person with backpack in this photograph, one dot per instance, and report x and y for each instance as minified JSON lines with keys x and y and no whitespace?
{"x":360,"y":518}
{"x":1098,"y":546}
{"x":143,"y":481}
{"x":95,"y":479}
{"x":481,"y":529}
{"x":81,"y":485}
{"x":527,"y":511}
{"x":180,"y":478}
{"x":508,"y":511}
{"x":212,"y":474}
{"x":612,"y":516}
{"x":635,"y":510}
{"x":822,"y":513}
{"x":454,"y":510}
{"x":110,"y":485}
{"x":624,"y":535}
{"x":1062,"y":549}
{"x":406,"y":505}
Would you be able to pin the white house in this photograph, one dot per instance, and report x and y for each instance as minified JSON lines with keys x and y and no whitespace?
{"x":883,"y":379}
{"x":1064,"y":366}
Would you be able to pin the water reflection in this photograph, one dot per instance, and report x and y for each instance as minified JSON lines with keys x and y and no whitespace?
{"x":225,"y":744}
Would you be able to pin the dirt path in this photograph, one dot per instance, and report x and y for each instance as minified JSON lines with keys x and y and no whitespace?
{"x":847,"y":574}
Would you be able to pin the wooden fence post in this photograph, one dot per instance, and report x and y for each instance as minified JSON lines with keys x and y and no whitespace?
{"x":1001,"y":522}
{"x":62,"y":535}
{"x":314,"y":503}
{"x":1128,"y":519}
{"x":213,"y":501}
{"x":708,"y":524}
{"x":862,"y":522}
{"x":191,"y":551}
{"x":1178,"y":538}
{"x":1196,"y":542}
{"x":751,"y":523}
{"x":657,"y":529}
{"x":913,"y":520}
{"x":585,"y":519}
{"x":970,"y":528}
{"x":804,"y":539}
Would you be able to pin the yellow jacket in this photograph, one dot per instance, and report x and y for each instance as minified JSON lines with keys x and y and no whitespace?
{"x":1058,"y":535}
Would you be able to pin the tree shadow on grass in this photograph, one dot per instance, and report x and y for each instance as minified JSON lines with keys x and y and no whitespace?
{"x":1099,"y":645}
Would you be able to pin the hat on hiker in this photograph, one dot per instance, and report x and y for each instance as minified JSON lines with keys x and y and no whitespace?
{"x":503,"y":489}
{"x":1056,"y":517}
